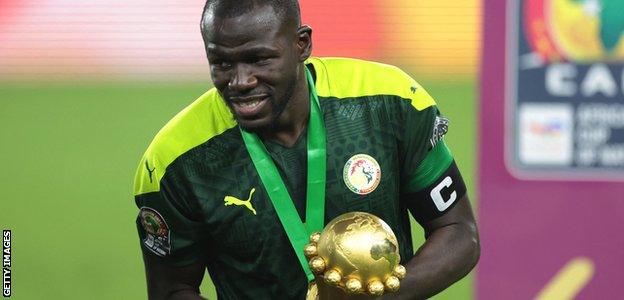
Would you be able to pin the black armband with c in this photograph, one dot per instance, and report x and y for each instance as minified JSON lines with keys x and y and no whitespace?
{"x":438,"y":197}
{"x":435,"y":187}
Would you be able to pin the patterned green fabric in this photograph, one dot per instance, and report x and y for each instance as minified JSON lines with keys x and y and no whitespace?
{"x":247,"y":252}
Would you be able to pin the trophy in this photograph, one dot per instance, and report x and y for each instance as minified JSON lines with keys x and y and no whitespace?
{"x":357,"y":256}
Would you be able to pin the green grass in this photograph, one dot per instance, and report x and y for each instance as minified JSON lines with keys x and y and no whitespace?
{"x":68,"y":156}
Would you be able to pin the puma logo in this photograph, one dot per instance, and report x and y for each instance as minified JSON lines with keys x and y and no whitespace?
{"x":150,"y":172}
{"x":231,"y":200}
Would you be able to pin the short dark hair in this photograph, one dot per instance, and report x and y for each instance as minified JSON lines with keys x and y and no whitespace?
{"x":286,"y":10}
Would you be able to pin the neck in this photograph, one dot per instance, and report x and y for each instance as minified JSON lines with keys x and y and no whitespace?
{"x":294,"y":119}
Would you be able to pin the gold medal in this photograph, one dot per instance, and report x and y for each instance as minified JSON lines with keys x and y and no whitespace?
{"x":312,"y":291}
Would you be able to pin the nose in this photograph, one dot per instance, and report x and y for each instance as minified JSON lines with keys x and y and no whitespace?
{"x":242,"y":79}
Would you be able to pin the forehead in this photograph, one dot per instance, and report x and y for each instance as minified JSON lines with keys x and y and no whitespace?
{"x":260,"y":25}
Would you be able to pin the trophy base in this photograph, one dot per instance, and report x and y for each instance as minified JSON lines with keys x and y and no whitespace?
{"x":322,"y":291}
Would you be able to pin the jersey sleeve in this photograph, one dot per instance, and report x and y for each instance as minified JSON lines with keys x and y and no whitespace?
{"x":168,"y":223}
{"x":430,"y":181}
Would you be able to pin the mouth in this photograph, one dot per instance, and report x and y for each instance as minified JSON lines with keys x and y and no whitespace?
{"x":247,"y":107}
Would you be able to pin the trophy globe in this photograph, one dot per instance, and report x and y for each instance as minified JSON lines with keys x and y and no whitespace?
{"x":356,"y":254}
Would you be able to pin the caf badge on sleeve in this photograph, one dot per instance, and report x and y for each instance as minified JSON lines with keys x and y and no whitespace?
{"x":156,"y":231}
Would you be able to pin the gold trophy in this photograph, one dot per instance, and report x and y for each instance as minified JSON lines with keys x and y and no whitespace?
{"x":357,"y":256}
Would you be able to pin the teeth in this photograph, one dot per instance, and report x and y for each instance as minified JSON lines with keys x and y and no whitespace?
{"x":249,"y":104}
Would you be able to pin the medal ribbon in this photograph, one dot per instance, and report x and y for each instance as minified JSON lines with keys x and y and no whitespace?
{"x":298,"y":232}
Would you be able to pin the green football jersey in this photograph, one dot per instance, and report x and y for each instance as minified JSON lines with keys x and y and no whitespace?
{"x":200,"y":196}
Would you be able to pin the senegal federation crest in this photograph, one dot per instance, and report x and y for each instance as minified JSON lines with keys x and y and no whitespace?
{"x":361,"y":174}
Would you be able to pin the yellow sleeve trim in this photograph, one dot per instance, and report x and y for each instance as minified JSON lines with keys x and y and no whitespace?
{"x":205,"y":118}
{"x":349,"y":78}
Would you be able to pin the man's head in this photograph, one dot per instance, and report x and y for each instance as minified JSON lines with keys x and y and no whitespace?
{"x":285,"y":10}
{"x":256,"y":50}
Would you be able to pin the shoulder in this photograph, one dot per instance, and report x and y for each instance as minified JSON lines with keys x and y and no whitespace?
{"x":204,"y":119}
{"x":353,"y":78}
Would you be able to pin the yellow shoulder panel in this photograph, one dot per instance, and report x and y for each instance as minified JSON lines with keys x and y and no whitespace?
{"x":206,"y":117}
{"x":348,"y":78}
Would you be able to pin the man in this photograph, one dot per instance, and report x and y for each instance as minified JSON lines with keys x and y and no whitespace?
{"x":281,"y":146}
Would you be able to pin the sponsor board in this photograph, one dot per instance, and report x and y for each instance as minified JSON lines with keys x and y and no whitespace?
{"x":550,"y":190}
{"x":565,"y":55}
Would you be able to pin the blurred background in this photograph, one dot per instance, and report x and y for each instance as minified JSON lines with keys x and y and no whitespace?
{"x":85,"y":85}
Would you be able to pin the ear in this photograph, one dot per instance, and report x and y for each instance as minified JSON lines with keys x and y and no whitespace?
{"x":304,"y":42}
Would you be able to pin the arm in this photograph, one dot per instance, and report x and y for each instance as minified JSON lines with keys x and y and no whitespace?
{"x":166,"y":282}
{"x":435,"y":194}
{"x":169,"y":224}
{"x":449,"y":253}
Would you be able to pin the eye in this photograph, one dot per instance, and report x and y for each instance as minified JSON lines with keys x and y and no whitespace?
{"x":221,"y":64}
{"x":261,"y":61}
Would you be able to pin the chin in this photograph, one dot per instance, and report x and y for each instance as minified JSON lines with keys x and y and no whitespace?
{"x":255,"y":125}
{"x":264,"y":122}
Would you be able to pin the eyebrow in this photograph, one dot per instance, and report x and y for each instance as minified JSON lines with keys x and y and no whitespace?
{"x":217,"y":50}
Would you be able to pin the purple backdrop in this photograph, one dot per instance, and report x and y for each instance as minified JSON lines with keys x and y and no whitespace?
{"x":531,"y":229}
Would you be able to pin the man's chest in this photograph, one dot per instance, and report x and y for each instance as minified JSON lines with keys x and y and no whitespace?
{"x":362,"y":174}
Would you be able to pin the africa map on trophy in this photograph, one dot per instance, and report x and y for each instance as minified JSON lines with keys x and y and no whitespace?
{"x":565,"y":101}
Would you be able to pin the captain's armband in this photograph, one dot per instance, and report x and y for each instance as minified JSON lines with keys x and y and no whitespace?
{"x":436,"y":186}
